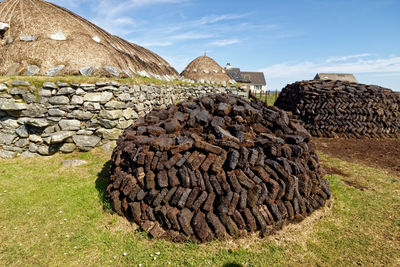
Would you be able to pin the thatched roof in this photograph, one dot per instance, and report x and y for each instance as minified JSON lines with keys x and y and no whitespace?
{"x":205,"y":69}
{"x":46,"y":35}
{"x":346,"y":77}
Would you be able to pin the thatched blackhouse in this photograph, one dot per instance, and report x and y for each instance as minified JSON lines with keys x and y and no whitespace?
{"x":345,"y":77}
{"x":40,"y":38}
{"x":205,"y":70}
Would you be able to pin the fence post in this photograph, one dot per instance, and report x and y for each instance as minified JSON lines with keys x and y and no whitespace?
{"x":265,"y":99}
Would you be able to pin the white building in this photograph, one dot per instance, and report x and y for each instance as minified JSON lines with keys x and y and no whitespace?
{"x":255,"y":81}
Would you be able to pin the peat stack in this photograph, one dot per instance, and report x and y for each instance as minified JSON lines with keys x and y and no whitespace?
{"x":215,"y":167}
{"x":343,"y":109}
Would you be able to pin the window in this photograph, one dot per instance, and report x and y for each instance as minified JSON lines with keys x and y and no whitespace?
{"x":3,"y":28}
{"x":2,"y":33}
{"x":257,"y":87}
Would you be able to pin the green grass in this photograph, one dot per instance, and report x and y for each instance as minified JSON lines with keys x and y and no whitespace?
{"x":360,"y":227}
{"x":270,"y":97}
{"x":38,"y":81}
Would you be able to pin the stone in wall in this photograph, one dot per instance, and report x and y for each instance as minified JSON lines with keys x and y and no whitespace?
{"x":62,"y":117}
{"x":54,"y":70}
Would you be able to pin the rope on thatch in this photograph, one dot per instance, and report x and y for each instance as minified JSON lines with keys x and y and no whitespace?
{"x":90,"y":26}
{"x":12,"y":9}
{"x":74,"y":16}
{"x":6,"y":4}
{"x":22,"y":12}
{"x":41,"y":12}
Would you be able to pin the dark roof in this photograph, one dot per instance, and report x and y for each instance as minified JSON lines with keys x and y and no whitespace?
{"x":256,"y":78}
{"x":234,"y":73}
{"x":336,"y":77}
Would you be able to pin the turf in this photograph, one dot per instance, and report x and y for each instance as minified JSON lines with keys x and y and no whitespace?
{"x":38,"y":81}
{"x":56,"y":216}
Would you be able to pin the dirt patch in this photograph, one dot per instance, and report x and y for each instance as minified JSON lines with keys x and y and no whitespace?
{"x":336,"y":171}
{"x":383,"y":153}
{"x":355,"y":185}
{"x":333,"y":170}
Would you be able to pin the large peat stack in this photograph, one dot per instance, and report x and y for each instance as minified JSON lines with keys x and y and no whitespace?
{"x":343,"y":109}
{"x":215,"y":167}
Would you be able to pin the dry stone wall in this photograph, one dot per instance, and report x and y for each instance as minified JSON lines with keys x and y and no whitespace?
{"x":63,"y":117}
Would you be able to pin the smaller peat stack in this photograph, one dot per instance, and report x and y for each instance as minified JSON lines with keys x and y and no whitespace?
{"x":343,"y":109}
{"x":215,"y":167}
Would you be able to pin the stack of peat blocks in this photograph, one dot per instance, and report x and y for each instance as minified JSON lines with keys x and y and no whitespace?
{"x":216,"y":167}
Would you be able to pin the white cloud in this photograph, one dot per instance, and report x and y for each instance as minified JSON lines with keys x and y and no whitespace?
{"x":115,"y":7}
{"x":190,"y":36}
{"x":116,"y":16}
{"x":178,"y":62}
{"x":153,"y":44}
{"x":345,"y":58}
{"x":117,"y":26}
{"x":362,"y":64}
{"x":68,"y":3}
{"x":213,"y":30}
{"x":218,"y":18}
{"x":224,"y":42}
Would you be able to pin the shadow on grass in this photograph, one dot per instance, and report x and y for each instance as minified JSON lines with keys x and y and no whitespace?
{"x":101,"y":186}
{"x":232,"y":264}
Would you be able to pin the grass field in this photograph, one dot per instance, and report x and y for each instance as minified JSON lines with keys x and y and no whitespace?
{"x":39,"y":80}
{"x":268,"y":96}
{"x":55,"y":216}
{"x":136,"y":80}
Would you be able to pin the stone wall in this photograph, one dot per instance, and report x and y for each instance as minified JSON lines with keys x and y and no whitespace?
{"x":62,"y":117}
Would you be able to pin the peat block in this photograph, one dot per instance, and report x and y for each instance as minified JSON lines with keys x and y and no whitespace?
{"x":216,"y":167}
{"x":343,"y":109}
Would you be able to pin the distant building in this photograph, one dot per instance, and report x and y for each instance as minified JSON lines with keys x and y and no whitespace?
{"x":255,"y":81}
{"x":347,"y":77}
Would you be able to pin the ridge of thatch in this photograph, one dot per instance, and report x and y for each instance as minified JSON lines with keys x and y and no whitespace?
{"x":346,"y":77}
{"x":46,"y":35}
{"x":205,"y":69}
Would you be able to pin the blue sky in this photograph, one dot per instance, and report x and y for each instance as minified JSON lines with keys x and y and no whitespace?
{"x":289,"y":40}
